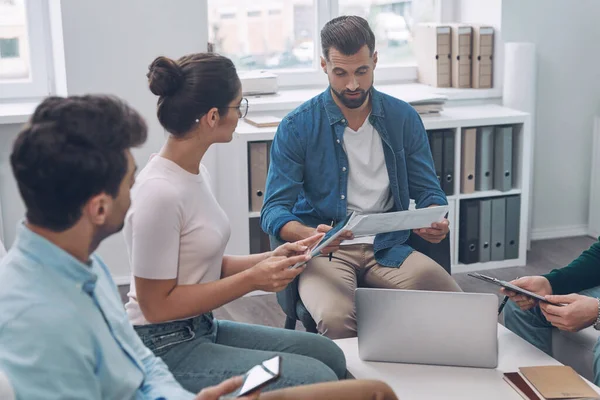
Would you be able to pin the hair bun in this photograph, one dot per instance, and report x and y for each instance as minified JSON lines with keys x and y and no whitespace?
{"x":165,"y":77}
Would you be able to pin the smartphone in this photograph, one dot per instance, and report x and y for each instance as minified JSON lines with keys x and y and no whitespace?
{"x":511,"y":287}
{"x":258,"y":377}
{"x":325,"y":240}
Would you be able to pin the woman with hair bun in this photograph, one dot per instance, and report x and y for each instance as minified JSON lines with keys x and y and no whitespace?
{"x":176,"y":234}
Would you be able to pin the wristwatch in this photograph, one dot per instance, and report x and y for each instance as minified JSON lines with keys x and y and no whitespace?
{"x":597,"y":323}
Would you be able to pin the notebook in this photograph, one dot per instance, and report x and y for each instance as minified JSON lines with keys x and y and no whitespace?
{"x":549,"y":382}
{"x":558,"y":382}
{"x":263,"y":121}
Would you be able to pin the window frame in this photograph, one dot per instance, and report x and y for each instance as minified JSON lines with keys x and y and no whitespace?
{"x":325,"y":10}
{"x":39,"y":83}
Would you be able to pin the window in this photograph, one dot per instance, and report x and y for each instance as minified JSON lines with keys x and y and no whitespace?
{"x":9,"y":48}
{"x":283,"y":35}
{"x":23,"y":63}
{"x":392,"y":22}
{"x":265,"y":34}
{"x":14,"y":54}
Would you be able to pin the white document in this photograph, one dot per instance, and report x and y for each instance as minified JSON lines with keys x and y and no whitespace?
{"x":373,"y":224}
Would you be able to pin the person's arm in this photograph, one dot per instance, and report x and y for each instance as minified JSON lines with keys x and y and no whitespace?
{"x":423,"y":185}
{"x":284,"y":183}
{"x":583,"y":273}
{"x":235,"y":264}
{"x":49,"y":354}
{"x":165,"y":300}
{"x":341,"y":390}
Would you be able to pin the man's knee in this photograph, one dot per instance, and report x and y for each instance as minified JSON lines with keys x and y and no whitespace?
{"x":431,"y":276}
{"x":337,"y":323}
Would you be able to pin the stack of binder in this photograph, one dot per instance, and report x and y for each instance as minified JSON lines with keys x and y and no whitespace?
{"x":433,"y":53}
{"x":461,"y":56}
{"x":454,"y":55}
{"x":483,"y":51}
{"x":259,"y":240}
{"x":442,"y":151}
{"x":486,"y":159}
{"x":489,"y":229}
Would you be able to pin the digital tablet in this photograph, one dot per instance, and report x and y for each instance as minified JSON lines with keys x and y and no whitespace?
{"x":511,"y":287}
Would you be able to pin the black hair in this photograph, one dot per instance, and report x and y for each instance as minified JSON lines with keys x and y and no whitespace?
{"x":189,"y":87}
{"x":72,"y":149}
{"x":347,"y":34}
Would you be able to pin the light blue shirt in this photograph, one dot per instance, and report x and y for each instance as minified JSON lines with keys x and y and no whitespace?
{"x":64,"y":332}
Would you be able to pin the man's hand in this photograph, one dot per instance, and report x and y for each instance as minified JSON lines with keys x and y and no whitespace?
{"x":536,"y":284}
{"x":297,"y":248}
{"x":335,"y":245}
{"x":437,"y":232}
{"x":223,"y":388}
{"x":579,"y":311}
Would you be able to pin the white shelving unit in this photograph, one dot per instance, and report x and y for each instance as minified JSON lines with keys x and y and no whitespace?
{"x":232,"y":169}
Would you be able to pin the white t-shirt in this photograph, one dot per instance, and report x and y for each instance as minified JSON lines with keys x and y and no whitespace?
{"x":174,"y":229}
{"x":368,"y":179}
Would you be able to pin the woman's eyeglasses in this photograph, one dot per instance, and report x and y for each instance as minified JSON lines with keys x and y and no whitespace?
{"x":242,"y":108}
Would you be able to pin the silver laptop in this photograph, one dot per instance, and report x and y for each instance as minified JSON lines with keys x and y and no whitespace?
{"x":423,"y":327}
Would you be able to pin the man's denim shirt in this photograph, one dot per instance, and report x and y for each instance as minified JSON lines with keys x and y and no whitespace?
{"x":308,"y":173}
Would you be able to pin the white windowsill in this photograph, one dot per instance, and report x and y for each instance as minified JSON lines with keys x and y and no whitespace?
{"x":287,"y":100}
{"x":16,"y":113}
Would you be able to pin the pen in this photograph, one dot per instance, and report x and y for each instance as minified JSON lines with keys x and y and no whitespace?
{"x":331,"y":254}
{"x":502,"y":304}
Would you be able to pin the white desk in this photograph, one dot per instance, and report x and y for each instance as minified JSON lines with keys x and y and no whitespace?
{"x":428,"y":382}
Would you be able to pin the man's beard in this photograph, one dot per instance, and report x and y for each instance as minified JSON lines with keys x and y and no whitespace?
{"x":352,"y":102}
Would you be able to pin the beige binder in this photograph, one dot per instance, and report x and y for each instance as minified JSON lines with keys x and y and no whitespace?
{"x":461,"y":55}
{"x":433,"y":52}
{"x":483,"y":52}
{"x":468,"y":155}
{"x":258,"y":156}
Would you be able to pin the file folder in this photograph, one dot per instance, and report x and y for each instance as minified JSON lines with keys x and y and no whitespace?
{"x":483,"y":52}
{"x":448,"y":163}
{"x":485,"y":230}
{"x":433,"y":52}
{"x":258,"y":157}
{"x":436,"y":142}
{"x":513,"y":217}
{"x":468,"y":155}
{"x":259,"y":240}
{"x":468,"y":235}
{"x":461,"y":56}
{"x":498,"y":228}
{"x":484,"y":179}
{"x":503,"y":158}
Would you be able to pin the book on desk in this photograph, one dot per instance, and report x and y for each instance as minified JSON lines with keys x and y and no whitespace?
{"x":549,"y":382}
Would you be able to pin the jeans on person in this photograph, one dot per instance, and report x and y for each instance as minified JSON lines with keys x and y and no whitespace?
{"x":204,"y":351}
{"x":532,"y":326}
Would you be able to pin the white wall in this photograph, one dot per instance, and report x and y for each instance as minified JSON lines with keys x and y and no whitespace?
{"x":566,"y":36}
{"x":108,"y":47}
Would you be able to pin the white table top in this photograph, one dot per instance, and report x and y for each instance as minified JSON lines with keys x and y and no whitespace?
{"x":420,"y":382}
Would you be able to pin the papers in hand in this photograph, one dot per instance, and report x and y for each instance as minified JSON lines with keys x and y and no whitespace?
{"x":373,"y":224}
